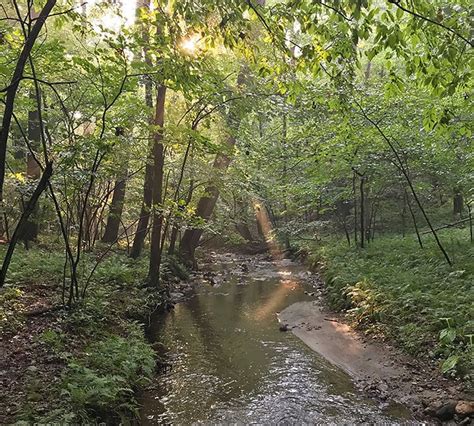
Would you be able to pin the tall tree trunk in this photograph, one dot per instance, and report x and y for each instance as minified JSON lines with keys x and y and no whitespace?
{"x":33,"y":170}
{"x":144,"y":217}
{"x":206,"y":204}
{"x":115,"y":212}
{"x":158,"y":168}
{"x":285,"y":173}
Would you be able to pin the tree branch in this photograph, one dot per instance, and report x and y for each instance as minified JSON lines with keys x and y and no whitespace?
{"x":431,"y":21}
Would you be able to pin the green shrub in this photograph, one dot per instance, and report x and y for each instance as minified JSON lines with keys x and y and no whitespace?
{"x":131,"y":358}
{"x":102,"y":382}
{"x":53,"y":340}
{"x":93,"y":393}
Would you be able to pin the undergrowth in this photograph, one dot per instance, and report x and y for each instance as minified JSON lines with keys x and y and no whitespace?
{"x":410,"y":294}
{"x":95,"y":356}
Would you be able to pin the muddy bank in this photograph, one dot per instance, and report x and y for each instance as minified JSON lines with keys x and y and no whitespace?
{"x":378,"y":368}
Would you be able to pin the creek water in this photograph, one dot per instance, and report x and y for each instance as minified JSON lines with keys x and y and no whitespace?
{"x":232,"y":364}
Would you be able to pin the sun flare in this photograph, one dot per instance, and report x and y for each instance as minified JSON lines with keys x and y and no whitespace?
{"x":190,"y":44}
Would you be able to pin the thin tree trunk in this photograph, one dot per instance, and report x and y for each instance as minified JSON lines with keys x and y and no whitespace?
{"x":415,"y":225}
{"x":346,"y":231}
{"x":115,"y":212}
{"x":158,"y":168}
{"x":175,"y":230}
{"x":20,"y":228}
{"x":404,"y":211}
{"x":405,"y":173}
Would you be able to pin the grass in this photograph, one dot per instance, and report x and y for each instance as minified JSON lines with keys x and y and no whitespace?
{"x":84,"y":365}
{"x":411,"y":295}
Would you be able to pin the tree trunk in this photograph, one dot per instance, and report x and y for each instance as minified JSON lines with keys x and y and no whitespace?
{"x":191,"y":237}
{"x":115,"y":212}
{"x":243,"y":229}
{"x":403,"y":215}
{"x":175,"y":230}
{"x":158,"y":168}
{"x":413,"y":217}
{"x":20,"y":228}
{"x":458,"y":202}
{"x":33,"y":170}
{"x":362,"y":212}
{"x":471,"y":233}
{"x":144,"y":217}
{"x":285,"y":173}
{"x":354,"y":177}
{"x":205,"y":207}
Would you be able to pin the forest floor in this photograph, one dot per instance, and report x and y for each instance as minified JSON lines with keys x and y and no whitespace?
{"x":80,"y":365}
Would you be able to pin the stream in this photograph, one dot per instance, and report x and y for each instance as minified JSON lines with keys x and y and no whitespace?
{"x":232,"y":364}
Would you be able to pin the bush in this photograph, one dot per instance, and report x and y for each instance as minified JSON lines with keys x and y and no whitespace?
{"x":102,"y":382}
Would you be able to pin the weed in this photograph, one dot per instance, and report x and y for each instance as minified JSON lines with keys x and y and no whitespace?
{"x":103,"y":380}
{"x":11,"y":309}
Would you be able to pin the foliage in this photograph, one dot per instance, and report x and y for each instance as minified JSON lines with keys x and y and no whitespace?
{"x":11,"y":310}
{"x":55,"y":341}
{"x":407,"y":293}
{"x":344,"y":119}
{"x":102,"y":382}
{"x":97,"y":351}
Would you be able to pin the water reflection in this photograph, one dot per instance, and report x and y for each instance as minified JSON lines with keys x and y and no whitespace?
{"x":232,"y":364}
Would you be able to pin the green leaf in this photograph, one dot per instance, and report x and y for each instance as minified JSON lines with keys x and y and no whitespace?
{"x":450,"y":363}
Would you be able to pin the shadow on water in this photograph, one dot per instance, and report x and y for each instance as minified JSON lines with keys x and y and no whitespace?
{"x":232,"y":364}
